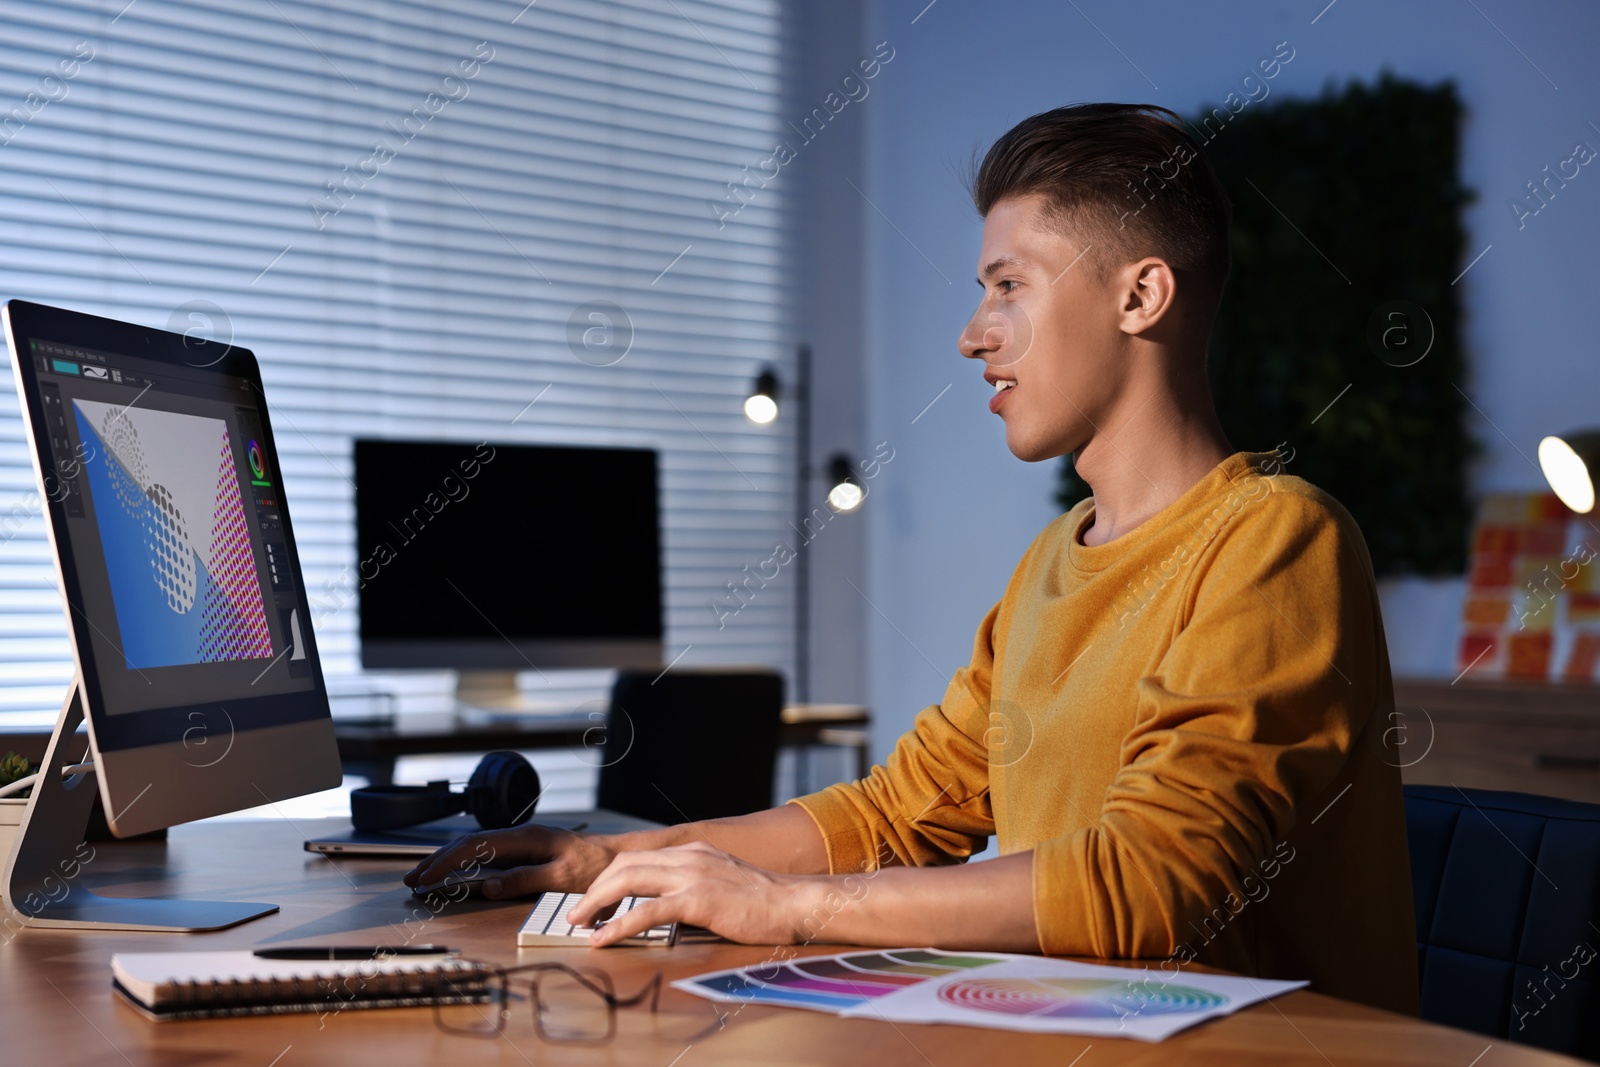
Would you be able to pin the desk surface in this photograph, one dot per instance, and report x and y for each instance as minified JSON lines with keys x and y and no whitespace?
{"x":408,"y":735}
{"x":1471,"y":698}
{"x":58,"y":1006}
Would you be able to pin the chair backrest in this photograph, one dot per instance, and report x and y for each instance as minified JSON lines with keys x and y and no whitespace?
{"x":1507,"y":892}
{"x":691,"y":744}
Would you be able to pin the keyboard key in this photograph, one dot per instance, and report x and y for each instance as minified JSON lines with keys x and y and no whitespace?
{"x":547,"y":924}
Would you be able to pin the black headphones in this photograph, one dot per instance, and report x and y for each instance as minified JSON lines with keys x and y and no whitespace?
{"x":501,"y":792}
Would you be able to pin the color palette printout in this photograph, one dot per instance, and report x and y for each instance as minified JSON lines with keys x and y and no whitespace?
{"x":993,"y":990}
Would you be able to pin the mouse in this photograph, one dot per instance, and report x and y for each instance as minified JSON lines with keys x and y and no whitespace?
{"x":453,"y":884}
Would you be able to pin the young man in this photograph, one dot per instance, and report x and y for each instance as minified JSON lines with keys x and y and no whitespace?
{"x":1173,"y":718}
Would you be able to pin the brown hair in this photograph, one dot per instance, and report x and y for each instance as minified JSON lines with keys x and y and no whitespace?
{"x":1125,"y":177}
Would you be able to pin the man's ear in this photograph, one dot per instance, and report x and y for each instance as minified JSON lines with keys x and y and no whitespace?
{"x":1148,"y":289}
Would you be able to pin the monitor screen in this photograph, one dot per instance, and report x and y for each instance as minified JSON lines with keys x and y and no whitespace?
{"x":496,"y":556}
{"x":165,"y":501}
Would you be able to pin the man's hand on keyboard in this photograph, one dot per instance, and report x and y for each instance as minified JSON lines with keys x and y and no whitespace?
{"x":535,"y":858}
{"x":700,"y":885}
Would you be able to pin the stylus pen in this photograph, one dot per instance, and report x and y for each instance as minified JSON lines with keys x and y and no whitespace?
{"x":349,"y":952}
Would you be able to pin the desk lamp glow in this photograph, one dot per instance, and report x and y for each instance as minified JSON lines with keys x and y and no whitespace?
{"x":1569,"y":463}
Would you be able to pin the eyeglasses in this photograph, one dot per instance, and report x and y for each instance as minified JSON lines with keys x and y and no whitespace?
{"x":575,"y":1006}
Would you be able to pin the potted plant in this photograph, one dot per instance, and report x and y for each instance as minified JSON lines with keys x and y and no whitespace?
{"x":12,"y":768}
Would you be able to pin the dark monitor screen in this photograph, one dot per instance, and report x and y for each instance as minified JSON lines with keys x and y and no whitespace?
{"x":494,"y":556}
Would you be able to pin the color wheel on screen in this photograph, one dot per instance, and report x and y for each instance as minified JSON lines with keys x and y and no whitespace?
{"x":1076,"y":998}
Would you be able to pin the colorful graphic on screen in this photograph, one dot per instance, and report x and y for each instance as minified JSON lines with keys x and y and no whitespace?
{"x":166,"y":499}
{"x":258,"y":462}
{"x":1076,"y":998}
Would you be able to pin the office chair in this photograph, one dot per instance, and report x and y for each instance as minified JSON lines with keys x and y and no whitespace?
{"x":691,"y":744}
{"x":1507,"y":894}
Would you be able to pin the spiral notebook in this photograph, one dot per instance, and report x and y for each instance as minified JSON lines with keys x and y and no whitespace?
{"x":206,"y":985}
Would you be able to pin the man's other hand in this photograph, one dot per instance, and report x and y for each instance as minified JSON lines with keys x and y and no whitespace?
{"x":534,"y":858}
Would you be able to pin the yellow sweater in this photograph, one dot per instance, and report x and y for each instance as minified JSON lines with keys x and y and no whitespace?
{"x":1186,"y":726}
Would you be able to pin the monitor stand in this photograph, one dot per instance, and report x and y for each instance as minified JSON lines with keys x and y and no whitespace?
{"x":494,"y":692}
{"x":41,"y":881}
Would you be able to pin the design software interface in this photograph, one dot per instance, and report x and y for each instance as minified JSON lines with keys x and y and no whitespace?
{"x":174,"y":525}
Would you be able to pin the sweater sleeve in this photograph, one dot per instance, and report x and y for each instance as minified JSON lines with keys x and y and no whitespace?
{"x":1241,"y":731}
{"x":930,"y":803}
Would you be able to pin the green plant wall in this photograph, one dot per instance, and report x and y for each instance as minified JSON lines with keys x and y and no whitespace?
{"x":1347,"y":237}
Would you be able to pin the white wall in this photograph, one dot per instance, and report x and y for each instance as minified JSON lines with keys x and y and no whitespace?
{"x":954,"y":510}
{"x":830,"y":305}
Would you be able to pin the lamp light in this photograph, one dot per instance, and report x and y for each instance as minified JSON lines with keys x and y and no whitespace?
{"x":847,"y":492}
{"x":761,"y":406}
{"x":1569,"y":463}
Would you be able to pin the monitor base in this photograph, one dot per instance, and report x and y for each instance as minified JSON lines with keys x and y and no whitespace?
{"x":40,"y":882}
{"x":492,"y":691}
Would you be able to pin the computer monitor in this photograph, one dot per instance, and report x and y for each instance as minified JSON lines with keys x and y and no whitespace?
{"x":197,"y":669}
{"x":490,"y":558}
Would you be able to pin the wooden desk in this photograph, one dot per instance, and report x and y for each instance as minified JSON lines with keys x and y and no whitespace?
{"x":841,"y":725}
{"x":371,"y":750}
{"x":59,"y":1009}
{"x":1527,"y":737}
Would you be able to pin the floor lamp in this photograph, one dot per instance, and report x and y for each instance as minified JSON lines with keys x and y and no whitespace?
{"x":845,"y":493}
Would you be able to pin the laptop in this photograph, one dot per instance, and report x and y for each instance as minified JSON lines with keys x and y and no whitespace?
{"x":424,"y":840}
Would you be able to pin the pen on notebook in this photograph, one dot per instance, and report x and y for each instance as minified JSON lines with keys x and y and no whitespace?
{"x":350,"y":952}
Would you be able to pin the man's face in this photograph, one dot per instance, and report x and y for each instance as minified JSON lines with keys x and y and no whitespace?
{"x":1048,"y":325}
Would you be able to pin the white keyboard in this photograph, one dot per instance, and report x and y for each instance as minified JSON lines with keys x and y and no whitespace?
{"x":547,"y":924}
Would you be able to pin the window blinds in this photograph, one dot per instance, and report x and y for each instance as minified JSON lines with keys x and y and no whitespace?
{"x":465,"y":220}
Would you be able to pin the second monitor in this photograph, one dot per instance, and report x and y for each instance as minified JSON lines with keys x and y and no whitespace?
{"x":491,"y":559}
